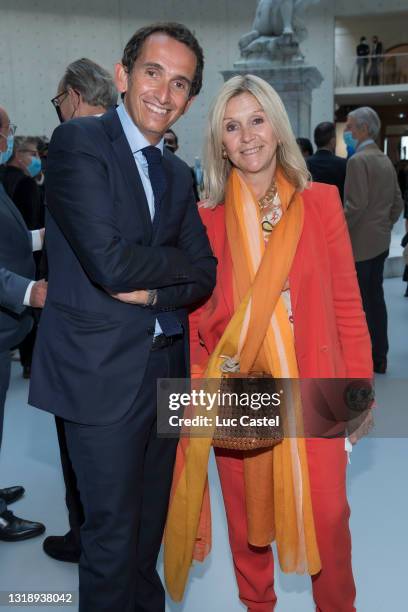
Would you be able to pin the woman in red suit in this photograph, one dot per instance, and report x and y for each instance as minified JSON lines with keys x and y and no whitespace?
{"x":286,"y":303}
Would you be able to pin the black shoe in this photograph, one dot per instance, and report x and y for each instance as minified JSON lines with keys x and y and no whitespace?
{"x":11,"y":494}
{"x":27,"y":372}
{"x":62,"y":548}
{"x":14,"y":529}
{"x":380,"y":367}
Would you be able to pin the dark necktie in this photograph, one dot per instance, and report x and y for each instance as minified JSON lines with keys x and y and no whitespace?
{"x":157,"y":178}
{"x":168,"y":321}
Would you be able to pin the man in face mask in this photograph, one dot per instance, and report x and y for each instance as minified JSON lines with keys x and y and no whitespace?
{"x":19,"y":184}
{"x":85,"y":90}
{"x":17,"y":290}
{"x":171,"y":141}
{"x":373,"y":203}
{"x":22,"y":188}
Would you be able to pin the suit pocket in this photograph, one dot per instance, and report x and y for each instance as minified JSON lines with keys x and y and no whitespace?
{"x":84,"y":318}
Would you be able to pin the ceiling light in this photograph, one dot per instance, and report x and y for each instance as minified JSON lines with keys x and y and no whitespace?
{"x":401,"y":115}
{"x":399,"y":99}
{"x":392,"y":95}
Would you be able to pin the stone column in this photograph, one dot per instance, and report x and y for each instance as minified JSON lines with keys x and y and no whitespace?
{"x":293,"y":82}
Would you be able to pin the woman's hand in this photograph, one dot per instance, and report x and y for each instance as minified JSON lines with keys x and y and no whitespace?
{"x":138,"y":297}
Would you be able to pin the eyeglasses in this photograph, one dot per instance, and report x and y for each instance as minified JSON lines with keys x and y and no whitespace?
{"x":11,"y":130}
{"x":57,"y":101}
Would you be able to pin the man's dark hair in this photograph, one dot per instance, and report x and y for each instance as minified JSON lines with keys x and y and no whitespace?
{"x":177,"y":31}
{"x":305,"y":145}
{"x":323,"y":134}
{"x":93,"y":82}
{"x":170,"y":131}
{"x":362,"y":39}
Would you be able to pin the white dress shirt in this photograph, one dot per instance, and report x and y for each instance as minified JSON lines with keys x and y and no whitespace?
{"x":37,"y":243}
{"x":137,"y":142}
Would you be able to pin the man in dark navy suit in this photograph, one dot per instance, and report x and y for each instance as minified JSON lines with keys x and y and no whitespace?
{"x":325,"y":166}
{"x":17,"y":291}
{"x":127,"y":255}
{"x":86,"y":89}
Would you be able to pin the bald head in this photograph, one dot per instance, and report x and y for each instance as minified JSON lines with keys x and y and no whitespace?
{"x":4,"y":128}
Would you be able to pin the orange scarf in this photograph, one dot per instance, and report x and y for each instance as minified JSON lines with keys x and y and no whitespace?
{"x":259,"y":335}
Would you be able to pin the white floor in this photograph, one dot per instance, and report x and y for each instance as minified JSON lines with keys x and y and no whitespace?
{"x":377,"y":490}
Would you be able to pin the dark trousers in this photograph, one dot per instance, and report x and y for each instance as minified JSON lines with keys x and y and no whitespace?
{"x":375,"y":72}
{"x":124,"y":473}
{"x":362,"y":70}
{"x":26,"y":347}
{"x":370,"y":274}
{"x":72,"y":497}
{"x":4,"y":384}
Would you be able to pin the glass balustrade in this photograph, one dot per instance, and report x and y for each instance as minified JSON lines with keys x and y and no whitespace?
{"x":373,"y":70}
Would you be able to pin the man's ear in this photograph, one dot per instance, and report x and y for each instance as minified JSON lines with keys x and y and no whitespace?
{"x":75,"y":98}
{"x":188,"y":104}
{"x":121,"y":78}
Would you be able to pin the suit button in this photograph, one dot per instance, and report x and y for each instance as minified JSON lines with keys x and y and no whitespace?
{"x":150,"y":331}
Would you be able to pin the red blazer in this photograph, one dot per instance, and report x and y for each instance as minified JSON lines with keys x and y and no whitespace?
{"x":331,"y":335}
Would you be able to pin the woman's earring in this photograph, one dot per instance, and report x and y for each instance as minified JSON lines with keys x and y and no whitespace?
{"x":224,"y":154}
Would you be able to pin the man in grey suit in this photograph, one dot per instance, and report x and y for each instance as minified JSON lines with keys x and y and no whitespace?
{"x":373,"y":203}
{"x":17,"y":290}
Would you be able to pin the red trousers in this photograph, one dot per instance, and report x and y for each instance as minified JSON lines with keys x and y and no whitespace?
{"x":333,"y":587}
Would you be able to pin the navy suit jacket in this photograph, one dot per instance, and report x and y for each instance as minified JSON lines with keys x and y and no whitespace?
{"x":325,"y":167}
{"x":17,"y":269}
{"x":91,"y":349}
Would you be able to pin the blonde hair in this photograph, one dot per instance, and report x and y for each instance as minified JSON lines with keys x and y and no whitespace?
{"x":288,"y":155}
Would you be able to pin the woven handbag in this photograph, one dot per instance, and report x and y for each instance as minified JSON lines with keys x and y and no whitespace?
{"x":238,"y":426}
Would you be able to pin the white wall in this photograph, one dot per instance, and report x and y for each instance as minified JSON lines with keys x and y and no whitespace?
{"x":391,"y":29}
{"x":319,"y":48}
{"x":38,"y":38}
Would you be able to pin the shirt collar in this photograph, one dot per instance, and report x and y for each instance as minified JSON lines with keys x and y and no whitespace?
{"x":365,"y":143}
{"x":134,"y":136}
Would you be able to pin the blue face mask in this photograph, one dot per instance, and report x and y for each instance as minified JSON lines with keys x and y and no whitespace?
{"x":350,"y":142}
{"x":5,"y":155}
{"x":35,"y":166}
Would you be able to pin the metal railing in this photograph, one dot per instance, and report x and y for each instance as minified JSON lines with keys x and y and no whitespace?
{"x":372,"y":70}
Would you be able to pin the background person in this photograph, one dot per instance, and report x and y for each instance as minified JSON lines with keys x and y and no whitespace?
{"x":86,"y":89}
{"x":373,"y":204}
{"x":362,"y":52}
{"x":19,"y":181}
{"x":285,"y":270}
{"x":17,"y":291}
{"x":376,"y":60}
{"x":305,"y":147}
{"x":171,"y":141}
{"x":325,"y":166}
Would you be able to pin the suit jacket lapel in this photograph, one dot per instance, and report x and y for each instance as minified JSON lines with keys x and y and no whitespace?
{"x":9,"y":204}
{"x":128,"y":166}
{"x":295,"y":274}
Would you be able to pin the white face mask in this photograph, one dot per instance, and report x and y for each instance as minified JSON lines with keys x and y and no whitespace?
{"x":5,"y":155}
